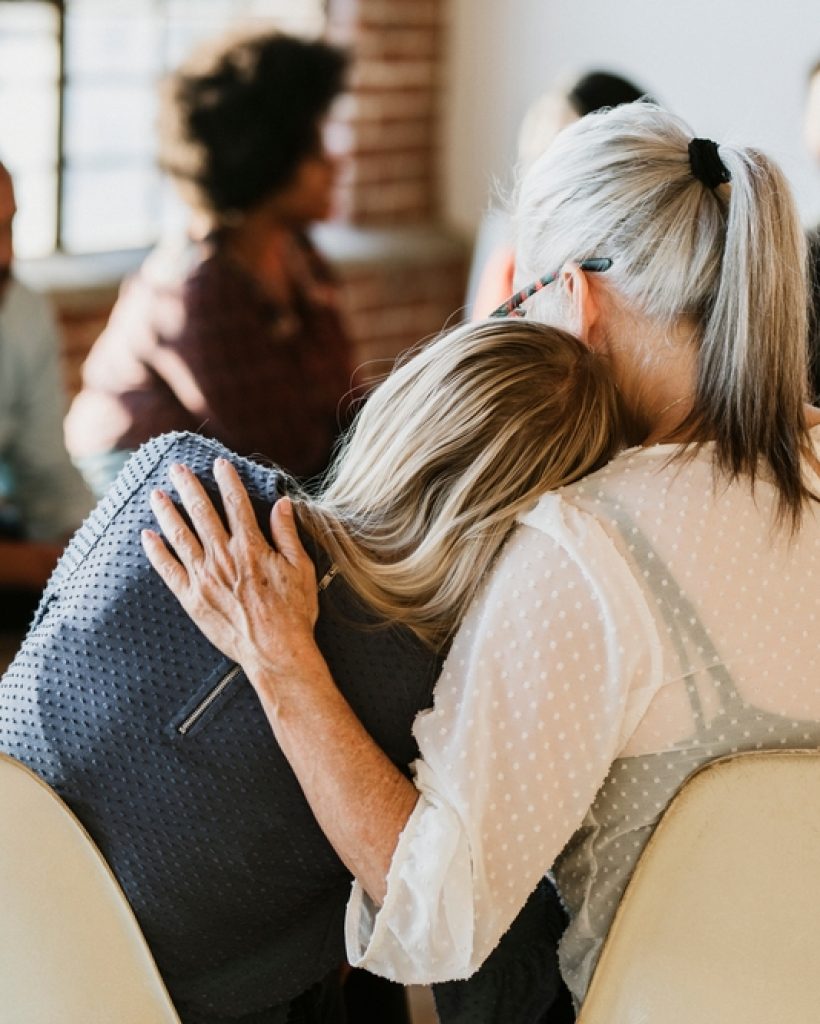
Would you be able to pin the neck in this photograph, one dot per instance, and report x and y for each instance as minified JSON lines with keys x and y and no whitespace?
{"x":655,"y":369}
{"x":259,"y":244}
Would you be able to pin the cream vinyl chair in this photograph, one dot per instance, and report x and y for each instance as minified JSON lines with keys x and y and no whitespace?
{"x":720,"y":923}
{"x":71,"y":951}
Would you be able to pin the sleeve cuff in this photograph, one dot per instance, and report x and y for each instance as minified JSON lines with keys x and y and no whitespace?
{"x":366,"y":925}
{"x":424,"y":930}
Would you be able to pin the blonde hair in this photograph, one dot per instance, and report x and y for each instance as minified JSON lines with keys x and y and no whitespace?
{"x":444,"y":455}
{"x":732,"y":259}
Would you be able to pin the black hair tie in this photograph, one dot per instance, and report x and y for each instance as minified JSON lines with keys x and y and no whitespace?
{"x":706,"y":164}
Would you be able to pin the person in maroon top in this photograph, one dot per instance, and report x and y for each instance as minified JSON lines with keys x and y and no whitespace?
{"x":237,"y":334}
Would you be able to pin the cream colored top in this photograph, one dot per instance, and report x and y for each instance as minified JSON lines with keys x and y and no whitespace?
{"x":644,"y":611}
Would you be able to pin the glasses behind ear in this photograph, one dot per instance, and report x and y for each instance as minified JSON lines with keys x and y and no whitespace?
{"x":512,"y":307}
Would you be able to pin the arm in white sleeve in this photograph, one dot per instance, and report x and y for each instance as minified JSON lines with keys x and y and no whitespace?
{"x":530,"y":711}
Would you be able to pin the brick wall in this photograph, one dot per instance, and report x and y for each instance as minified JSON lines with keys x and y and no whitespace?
{"x":413,"y":280}
{"x":390,"y":117}
{"x":80,"y":326}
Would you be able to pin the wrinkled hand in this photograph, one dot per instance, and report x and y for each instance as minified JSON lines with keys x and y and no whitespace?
{"x":257,"y":604}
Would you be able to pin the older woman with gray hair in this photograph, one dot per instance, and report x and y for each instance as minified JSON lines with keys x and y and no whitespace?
{"x":638,"y":623}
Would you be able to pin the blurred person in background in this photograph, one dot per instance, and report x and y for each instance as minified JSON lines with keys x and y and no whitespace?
{"x":812,"y":135}
{"x":491,"y":274}
{"x":42,"y":497}
{"x":237,"y":334}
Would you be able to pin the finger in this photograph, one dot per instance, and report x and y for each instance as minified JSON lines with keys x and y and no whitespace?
{"x":238,"y":507}
{"x":172,"y":573}
{"x":197,"y":503}
{"x":285,"y":534}
{"x":180,"y":537}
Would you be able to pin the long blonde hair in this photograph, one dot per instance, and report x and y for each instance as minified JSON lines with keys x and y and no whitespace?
{"x":731,"y":259}
{"x":444,"y":455}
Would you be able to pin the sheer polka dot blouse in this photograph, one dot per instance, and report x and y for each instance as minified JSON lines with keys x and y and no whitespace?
{"x":636,"y":625}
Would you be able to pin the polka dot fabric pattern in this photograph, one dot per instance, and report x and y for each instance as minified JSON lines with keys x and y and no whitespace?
{"x":639,"y":623}
{"x":159,"y":745}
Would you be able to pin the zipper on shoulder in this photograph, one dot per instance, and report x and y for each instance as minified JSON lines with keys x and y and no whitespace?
{"x":186,"y":725}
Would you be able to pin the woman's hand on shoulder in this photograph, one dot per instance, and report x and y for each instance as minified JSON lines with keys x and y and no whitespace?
{"x":257,"y":604}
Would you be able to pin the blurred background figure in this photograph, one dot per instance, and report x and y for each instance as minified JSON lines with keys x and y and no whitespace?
{"x":42,"y":497}
{"x":493,"y":264}
{"x":812,"y":136}
{"x":236,"y":334}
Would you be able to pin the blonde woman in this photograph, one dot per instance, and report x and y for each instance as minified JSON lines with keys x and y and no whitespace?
{"x":164,"y":750}
{"x":447,"y":452}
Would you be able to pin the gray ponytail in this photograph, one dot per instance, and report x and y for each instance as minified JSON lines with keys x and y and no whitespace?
{"x":731,"y":259}
{"x":752,"y":369}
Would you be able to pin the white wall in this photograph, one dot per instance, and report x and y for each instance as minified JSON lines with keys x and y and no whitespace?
{"x":735,"y":69}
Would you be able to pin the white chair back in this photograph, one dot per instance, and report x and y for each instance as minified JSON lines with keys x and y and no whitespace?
{"x":720,"y":923}
{"x":71,"y":951}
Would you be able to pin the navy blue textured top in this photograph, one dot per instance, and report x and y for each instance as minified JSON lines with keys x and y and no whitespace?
{"x":160,"y":746}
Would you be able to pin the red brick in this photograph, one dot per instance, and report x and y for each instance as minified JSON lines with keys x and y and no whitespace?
{"x":393,"y":195}
{"x":377,"y":105}
{"x":78,"y":333}
{"x":383,"y":13}
{"x":408,"y":324}
{"x":401,"y":165}
{"x":373,"y":136}
{"x":398,"y":43}
{"x":395,"y":74}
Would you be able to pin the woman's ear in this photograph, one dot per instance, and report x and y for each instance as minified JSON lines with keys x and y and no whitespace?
{"x":585,"y":310}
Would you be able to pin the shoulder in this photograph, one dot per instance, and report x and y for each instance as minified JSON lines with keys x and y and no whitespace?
{"x":650,"y":492}
{"x":181,"y":282}
{"x":27,"y":321}
{"x":639,"y":480}
{"x":21,"y":305}
{"x":159,"y":282}
{"x":217,"y":287}
{"x":577,"y":544}
{"x":631,"y":473}
{"x":172,"y":261}
{"x":175,"y":268}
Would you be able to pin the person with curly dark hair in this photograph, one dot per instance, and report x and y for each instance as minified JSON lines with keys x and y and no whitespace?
{"x":812,"y":134}
{"x":238,"y":335}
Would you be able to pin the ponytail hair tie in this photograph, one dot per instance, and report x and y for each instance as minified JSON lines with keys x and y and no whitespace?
{"x":706,"y":164}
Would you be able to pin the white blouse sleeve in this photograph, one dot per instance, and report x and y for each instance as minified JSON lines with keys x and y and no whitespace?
{"x":552,"y":668}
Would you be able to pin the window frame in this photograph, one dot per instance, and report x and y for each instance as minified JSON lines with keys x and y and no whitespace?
{"x":61,"y":163}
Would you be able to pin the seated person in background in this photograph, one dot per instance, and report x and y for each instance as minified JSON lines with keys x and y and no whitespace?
{"x":812,"y":133}
{"x":171,"y":765}
{"x":42,"y":497}
{"x":239,"y":336}
{"x":491,"y":274}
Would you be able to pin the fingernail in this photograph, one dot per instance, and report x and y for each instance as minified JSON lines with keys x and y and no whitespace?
{"x":220,"y":463}
{"x":157,"y":495}
{"x":177,"y":469}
